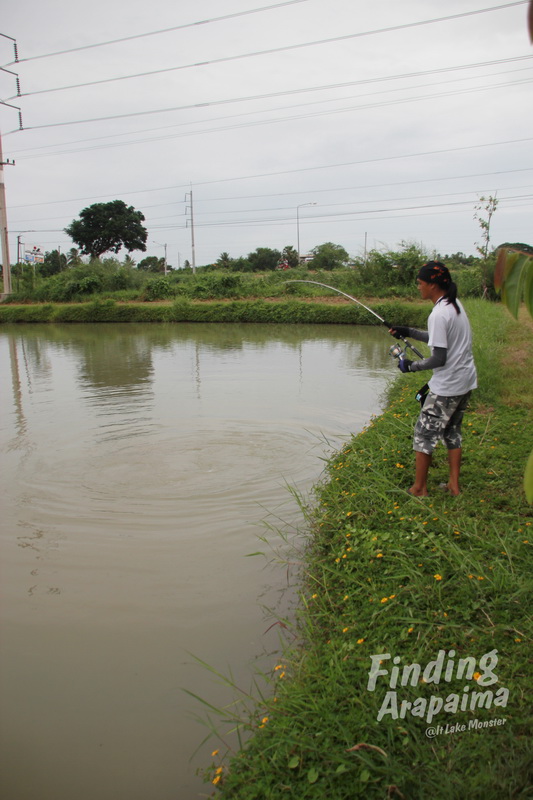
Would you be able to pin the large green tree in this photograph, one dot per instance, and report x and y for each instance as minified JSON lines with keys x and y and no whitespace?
{"x":105,"y":227}
{"x":328,"y":256}
{"x":263,"y":259}
{"x":152,"y":264}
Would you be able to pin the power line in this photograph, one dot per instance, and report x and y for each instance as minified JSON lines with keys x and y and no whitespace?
{"x":175,"y":187}
{"x":203,"y":214}
{"x":275,"y":50}
{"x":362,"y":186}
{"x":163,"y":30}
{"x":37,"y":154}
{"x":277,"y":120}
{"x":271,"y":95}
{"x":365,"y":161}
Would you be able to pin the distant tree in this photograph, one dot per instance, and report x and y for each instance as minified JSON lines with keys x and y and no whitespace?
{"x":407,"y":261}
{"x":328,"y":256}
{"x":263,"y":259}
{"x":458,"y":258}
{"x":73,"y":258}
{"x":290,"y":255}
{"x":152,"y":264}
{"x":105,"y":227}
{"x":224,"y":261}
{"x":54,"y":262}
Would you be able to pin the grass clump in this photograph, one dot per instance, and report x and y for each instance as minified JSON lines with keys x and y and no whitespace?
{"x":409,"y":580}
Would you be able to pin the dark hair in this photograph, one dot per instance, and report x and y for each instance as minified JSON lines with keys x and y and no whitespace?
{"x":436,"y":272}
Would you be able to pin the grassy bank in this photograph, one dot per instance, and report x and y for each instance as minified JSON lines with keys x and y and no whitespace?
{"x":258,"y":311}
{"x":406,"y":579}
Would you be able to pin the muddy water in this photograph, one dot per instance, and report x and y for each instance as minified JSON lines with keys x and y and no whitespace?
{"x":140,"y":464}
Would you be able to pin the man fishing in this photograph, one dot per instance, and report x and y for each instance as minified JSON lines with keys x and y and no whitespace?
{"x":454,"y":375}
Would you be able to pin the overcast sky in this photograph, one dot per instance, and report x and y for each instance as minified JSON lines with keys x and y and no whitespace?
{"x":389,"y":118}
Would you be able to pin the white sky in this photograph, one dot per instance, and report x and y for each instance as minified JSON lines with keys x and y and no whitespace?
{"x":401,"y":151}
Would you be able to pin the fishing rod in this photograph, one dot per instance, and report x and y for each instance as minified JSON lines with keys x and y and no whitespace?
{"x":355,"y":300}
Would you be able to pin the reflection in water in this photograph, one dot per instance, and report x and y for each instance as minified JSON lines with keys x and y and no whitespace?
{"x":139,"y":463}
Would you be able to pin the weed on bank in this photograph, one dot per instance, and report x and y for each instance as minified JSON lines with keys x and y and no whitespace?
{"x":410,"y":678}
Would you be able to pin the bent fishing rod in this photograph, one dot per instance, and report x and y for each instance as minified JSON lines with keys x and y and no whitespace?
{"x":355,"y":300}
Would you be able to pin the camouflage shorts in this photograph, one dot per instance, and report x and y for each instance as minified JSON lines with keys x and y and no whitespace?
{"x":440,"y":418}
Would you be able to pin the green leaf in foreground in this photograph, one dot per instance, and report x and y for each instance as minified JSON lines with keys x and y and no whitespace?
{"x":312,"y":775}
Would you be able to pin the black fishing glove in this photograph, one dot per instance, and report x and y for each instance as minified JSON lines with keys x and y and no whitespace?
{"x":404,"y":365}
{"x":399,"y":331}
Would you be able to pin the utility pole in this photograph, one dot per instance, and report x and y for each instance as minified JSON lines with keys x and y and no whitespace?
{"x":165,"y":259}
{"x":6,"y":263}
{"x":189,"y":195}
{"x":298,"y":224}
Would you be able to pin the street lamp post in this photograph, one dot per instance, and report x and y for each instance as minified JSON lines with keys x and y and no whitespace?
{"x":298,"y":224}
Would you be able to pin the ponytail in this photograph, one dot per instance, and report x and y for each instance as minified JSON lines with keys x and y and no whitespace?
{"x":451,"y":296}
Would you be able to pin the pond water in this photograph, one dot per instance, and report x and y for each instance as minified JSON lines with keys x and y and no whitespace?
{"x":140,"y":464}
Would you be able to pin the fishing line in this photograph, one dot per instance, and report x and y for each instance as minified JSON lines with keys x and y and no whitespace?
{"x":355,"y":300}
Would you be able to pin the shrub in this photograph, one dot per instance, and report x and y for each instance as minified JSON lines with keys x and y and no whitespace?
{"x":158,"y":289}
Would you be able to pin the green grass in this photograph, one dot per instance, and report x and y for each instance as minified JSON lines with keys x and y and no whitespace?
{"x":383,"y":572}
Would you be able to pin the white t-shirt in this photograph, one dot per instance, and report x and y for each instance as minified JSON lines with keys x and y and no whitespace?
{"x":451,"y":330}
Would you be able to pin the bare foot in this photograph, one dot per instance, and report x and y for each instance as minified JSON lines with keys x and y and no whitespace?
{"x":417,"y":492}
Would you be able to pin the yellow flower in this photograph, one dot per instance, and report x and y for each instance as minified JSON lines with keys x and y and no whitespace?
{"x":476,"y":676}
{"x":216,"y":780}
{"x":392,"y":596}
{"x":264,"y":720}
{"x":344,"y":630}
{"x":437,"y":577}
{"x":360,"y":641}
{"x":214,"y":753}
{"x":410,"y":630}
{"x":379,"y":555}
{"x":384,"y":599}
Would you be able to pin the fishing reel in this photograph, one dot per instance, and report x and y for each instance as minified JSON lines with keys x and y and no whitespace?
{"x":397,"y":351}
